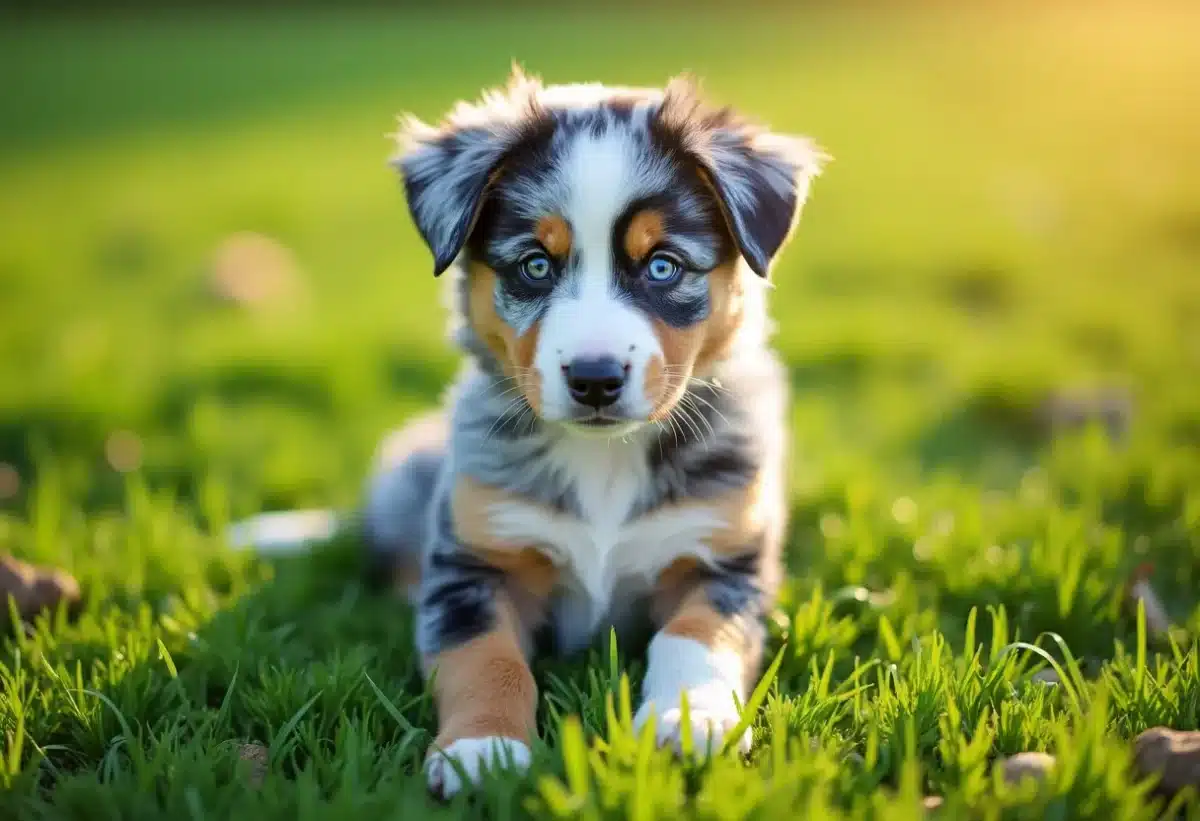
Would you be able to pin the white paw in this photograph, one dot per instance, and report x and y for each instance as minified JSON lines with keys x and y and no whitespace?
{"x":474,"y":755}
{"x":712,"y":718}
{"x":678,"y":665}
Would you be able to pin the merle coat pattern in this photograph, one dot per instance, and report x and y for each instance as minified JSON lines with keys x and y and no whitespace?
{"x":613,"y":452}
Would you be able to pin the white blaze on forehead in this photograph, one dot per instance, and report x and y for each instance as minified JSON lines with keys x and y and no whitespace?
{"x":602,"y":179}
{"x":602,"y":176}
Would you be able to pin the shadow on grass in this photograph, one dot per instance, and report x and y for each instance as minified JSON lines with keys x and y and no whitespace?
{"x":306,"y":389}
{"x":991,"y":432}
{"x":275,"y":403}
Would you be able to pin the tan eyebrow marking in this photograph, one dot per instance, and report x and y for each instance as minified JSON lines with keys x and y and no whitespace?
{"x":645,"y":231}
{"x":554,"y":234}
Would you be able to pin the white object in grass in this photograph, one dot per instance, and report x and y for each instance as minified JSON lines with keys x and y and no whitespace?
{"x":283,"y":532}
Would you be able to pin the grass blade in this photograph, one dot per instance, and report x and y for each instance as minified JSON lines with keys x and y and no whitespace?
{"x":757,"y":698}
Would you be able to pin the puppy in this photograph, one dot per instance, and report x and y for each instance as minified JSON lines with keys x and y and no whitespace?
{"x":614,"y":450}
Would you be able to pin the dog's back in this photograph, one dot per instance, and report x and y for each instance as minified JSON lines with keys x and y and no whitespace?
{"x":397,"y":500}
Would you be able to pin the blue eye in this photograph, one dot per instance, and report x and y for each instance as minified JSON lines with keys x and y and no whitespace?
{"x":662,"y":268}
{"x":536,"y":267}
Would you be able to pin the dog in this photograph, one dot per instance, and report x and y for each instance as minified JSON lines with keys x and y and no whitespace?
{"x":613,"y":453}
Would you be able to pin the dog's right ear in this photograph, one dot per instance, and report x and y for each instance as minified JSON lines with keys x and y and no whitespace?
{"x":446,"y":173}
{"x":447,"y":170}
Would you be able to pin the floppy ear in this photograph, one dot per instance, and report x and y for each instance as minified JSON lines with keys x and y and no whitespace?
{"x":447,"y":170}
{"x":760,"y":179}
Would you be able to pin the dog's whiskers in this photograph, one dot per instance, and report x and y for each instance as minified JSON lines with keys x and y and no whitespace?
{"x":518,"y":403}
{"x":692,"y":413}
{"x":696,"y":398}
{"x":681,"y":410}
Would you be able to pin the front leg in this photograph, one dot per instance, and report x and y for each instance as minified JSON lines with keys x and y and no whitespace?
{"x":475,"y":611}
{"x":709,"y":647}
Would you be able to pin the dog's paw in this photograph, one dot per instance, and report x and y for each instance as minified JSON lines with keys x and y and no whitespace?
{"x":712,"y":721}
{"x":474,"y":755}
{"x":710,"y":678}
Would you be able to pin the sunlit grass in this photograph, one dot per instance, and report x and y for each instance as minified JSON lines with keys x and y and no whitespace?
{"x":1012,"y":211}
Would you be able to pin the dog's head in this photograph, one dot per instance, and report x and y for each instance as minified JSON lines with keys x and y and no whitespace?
{"x":608,"y":240}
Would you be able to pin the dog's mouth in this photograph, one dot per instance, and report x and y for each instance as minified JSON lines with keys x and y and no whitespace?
{"x":603,"y":425}
{"x":598,"y":421}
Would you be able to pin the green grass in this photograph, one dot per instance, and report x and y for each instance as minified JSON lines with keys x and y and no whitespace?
{"x":1014,"y":208}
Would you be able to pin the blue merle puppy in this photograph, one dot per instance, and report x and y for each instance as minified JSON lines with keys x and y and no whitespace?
{"x":614,"y":450}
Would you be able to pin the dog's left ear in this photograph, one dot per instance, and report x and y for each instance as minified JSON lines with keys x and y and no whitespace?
{"x":448,"y":169}
{"x":761,"y":179}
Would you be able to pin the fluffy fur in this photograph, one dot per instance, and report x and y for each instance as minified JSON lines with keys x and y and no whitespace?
{"x":525,"y":512}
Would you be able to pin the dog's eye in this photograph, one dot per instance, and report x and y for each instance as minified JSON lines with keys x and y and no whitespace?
{"x":536,"y":267}
{"x":662,"y":268}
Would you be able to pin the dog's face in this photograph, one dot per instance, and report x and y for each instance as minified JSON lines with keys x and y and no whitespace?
{"x":607,"y":237}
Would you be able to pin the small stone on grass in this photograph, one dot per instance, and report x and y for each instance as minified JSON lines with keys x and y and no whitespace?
{"x":10,"y":481}
{"x":1072,"y":409}
{"x":1174,"y":755}
{"x":35,"y":589}
{"x":256,"y":755}
{"x":1022,"y":766}
{"x":249,"y":269}
{"x":1047,"y":677}
{"x":1157,"y":620}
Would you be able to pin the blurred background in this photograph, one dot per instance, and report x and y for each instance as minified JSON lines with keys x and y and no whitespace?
{"x":208,"y":277}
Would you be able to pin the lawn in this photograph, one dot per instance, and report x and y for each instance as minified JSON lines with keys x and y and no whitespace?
{"x":1013,"y":212}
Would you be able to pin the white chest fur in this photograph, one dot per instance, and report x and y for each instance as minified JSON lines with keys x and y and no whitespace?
{"x":603,"y":548}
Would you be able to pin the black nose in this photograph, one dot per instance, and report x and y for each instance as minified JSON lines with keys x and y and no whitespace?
{"x":595,"y":382}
